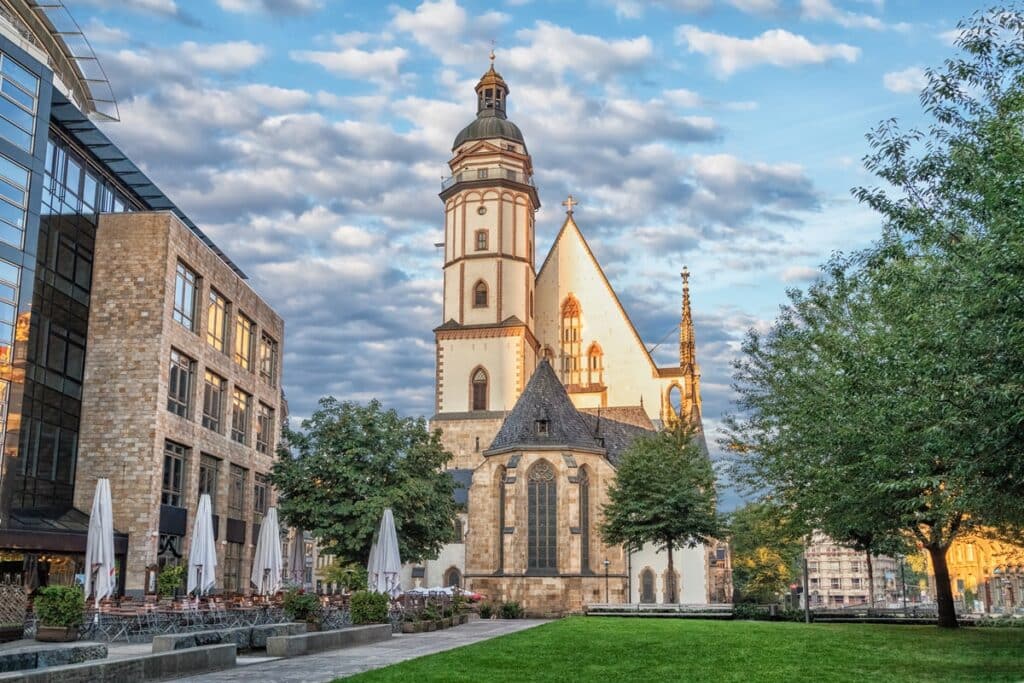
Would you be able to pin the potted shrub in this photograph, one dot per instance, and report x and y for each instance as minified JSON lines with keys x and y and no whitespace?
{"x":510,"y":610}
{"x":299,"y":605}
{"x":59,"y":611}
{"x":369,"y":608}
{"x":169,"y":580}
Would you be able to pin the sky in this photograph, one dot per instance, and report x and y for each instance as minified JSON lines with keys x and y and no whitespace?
{"x":308,"y":138}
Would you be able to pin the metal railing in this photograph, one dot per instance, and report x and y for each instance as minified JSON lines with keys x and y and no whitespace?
{"x":487,"y":173}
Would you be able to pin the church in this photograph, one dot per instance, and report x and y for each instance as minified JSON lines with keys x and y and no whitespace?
{"x":542,"y":382}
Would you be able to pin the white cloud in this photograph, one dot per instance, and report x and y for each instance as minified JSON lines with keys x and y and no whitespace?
{"x":270,"y":6}
{"x":448,"y":31}
{"x":951,"y":36}
{"x":230,"y":56}
{"x":634,"y":9}
{"x":164,"y":7}
{"x":799,"y":274}
{"x":909,"y":80}
{"x":554,"y":50}
{"x":777,"y":47}
{"x":101,"y":34}
{"x":356,"y":63}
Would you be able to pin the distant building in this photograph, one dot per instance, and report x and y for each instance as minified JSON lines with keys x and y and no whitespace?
{"x":838,"y":576}
{"x":986,"y":575}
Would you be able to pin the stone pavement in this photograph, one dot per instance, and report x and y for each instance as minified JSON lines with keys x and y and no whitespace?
{"x":327,"y":666}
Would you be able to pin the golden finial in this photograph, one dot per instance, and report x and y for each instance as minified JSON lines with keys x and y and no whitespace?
{"x":686,"y":276}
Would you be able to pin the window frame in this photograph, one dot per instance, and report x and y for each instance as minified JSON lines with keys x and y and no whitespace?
{"x":218,"y":308}
{"x":481,"y":295}
{"x":214,"y":421}
{"x":481,"y":240}
{"x":238,"y":477}
{"x":245,"y":338}
{"x":264,"y":428}
{"x":179,"y":399}
{"x":240,"y":418}
{"x":209,"y":464}
{"x":479,"y":389}
{"x":542,"y":519}
{"x":172,"y":491}
{"x":268,"y":359}
{"x":187,"y":286}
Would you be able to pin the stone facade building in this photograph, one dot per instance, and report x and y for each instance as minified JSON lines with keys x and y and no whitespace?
{"x":182,"y":394}
{"x":987,"y":575}
{"x":507,"y":327}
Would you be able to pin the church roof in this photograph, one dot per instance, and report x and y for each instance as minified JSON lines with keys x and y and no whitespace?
{"x":631,"y":415}
{"x":544,"y":398}
{"x":616,"y":436}
{"x":486,"y":126}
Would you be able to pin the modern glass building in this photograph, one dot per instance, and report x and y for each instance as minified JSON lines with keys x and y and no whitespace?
{"x":58,"y":172}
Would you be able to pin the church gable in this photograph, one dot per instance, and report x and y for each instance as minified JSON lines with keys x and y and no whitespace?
{"x":598,"y":342}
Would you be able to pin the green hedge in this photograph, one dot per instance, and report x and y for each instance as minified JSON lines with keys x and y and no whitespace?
{"x":59,"y":606}
{"x":369,"y":608}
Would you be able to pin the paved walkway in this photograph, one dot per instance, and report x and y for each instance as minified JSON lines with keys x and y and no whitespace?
{"x":327,"y":666}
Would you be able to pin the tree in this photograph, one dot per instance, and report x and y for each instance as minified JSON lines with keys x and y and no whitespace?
{"x":663,"y":493}
{"x":766,"y":550}
{"x":348,"y":463}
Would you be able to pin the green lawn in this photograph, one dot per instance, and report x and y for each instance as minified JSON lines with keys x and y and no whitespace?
{"x":619,"y":649}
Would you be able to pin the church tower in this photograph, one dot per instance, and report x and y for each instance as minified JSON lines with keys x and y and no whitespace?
{"x":689,"y":370}
{"x":486,"y":349}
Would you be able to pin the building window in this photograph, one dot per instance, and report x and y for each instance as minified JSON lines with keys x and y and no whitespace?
{"x":245,"y":330}
{"x":457,"y":530}
{"x":260,"y":495}
{"x":595,"y":364}
{"x":186,"y":285}
{"x":481,"y":240}
{"x":268,"y":360}
{"x":214,"y":389}
{"x":836,"y":583}
{"x":647,"y":587}
{"x":264,"y":428}
{"x":236,"y":491}
{"x":572,"y":341}
{"x":479,"y":389}
{"x":217,"y":321}
{"x":174,"y":473}
{"x":209,"y":467}
{"x":19,"y":91}
{"x":14,"y":180}
{"x":179,"y":384}
{"x":480,"y":294}
{"x":855,"y":582}
{"x":233,"y":568}
{"x":241,"y":405}
{"x":541,"y":513}
{"x":584,"y":480}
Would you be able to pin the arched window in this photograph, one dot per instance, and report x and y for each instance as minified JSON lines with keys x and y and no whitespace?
{"x":480,"y":294}
{"x":595,"y":364}
{"x":453,"y":578}
{"x":584,"y":480}
{"x":671,"y":588}
{"x":542,"y":511}
{"x":457,"y":530}
{"x":572,"y":342}
{"x":501,"y":519}
{"x":478,"y":390}
{"x":647,"y":586}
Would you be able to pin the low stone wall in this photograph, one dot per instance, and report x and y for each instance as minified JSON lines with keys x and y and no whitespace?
{"x":53,"y":654}
{"x":134,"y":669}
{"x":243,"y":637}
{"x":319,"y":641}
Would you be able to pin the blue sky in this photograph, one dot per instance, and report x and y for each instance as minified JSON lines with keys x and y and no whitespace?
{"x":308,"y":138}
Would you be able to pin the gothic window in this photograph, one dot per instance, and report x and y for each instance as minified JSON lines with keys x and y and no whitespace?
{"x":595,"y":364}
{"x":457,"y":530}
{"x":584,"y":480}
{"x":453,"y":578}
{"x":481,"y":240}
{"x":572,"y":344}
{"x":671,"y":588}
{"x":542,"y":511}
{"x":479,"y":389}
{"x":647,"y":586}
{"x":480,"y":294}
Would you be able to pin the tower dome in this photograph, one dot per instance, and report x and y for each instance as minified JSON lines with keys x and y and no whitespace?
{"x":491,"y":120}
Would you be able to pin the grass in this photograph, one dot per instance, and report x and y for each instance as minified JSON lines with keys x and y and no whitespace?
{"x":622,"y":649}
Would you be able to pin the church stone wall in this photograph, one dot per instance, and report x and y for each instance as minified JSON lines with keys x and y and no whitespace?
{"x":467,"y":437}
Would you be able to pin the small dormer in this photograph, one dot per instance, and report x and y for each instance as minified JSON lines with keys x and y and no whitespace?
{"x":542,"y":425}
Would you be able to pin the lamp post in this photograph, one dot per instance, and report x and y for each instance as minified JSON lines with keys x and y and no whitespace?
{"x":606,"y":563}
{"x":903,"y":580}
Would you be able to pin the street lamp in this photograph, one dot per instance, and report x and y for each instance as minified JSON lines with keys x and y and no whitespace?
{"x":903,"y":580}
{"x":606,"y":563}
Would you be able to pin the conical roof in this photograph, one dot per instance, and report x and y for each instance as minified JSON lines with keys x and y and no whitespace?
{"x":544,"y":398}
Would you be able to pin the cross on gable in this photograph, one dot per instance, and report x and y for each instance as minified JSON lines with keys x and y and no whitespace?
{"x":569,"y":203}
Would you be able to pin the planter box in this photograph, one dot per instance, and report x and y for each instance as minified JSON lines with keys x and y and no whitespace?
{"x":410,"y":627}
{"x":448,"y":622}
{"x":312,"y":627}
{"x":57,"y":634}
{"x":463,"y":618}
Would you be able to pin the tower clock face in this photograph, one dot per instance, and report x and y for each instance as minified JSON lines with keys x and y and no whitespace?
{"x":481,"y":210}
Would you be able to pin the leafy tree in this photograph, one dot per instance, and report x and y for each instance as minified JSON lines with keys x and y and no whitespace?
{"x":348,"y":463}
{"x":663,"y":493}
{"x":766,"y":550}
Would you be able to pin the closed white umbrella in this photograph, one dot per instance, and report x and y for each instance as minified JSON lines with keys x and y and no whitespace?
{"x":100,"y":569}
{"x":202,"y":555}
{"x":267,"y":563}
{"x":297,"y":558}
{"x":385,"y":565}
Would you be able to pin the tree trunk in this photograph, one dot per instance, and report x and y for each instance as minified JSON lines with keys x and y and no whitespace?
{"x":943,"y":589}
{"x":871,"y":580}
{"x":672,"y":573}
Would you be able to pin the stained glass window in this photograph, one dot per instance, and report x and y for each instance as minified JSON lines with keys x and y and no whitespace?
{"x":541,"y":518}
{"x":584,"y":521}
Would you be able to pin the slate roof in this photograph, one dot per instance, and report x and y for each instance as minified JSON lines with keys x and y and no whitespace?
{"x":544,"y":398}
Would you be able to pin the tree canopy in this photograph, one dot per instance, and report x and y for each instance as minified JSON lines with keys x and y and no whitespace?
{"x":766,"y":550}
{"x":886,"y":400}
{"x":663,"y":493}
{"x":349,"y":462}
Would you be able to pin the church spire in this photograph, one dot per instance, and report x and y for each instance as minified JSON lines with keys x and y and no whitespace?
{"x":688,"y":355}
